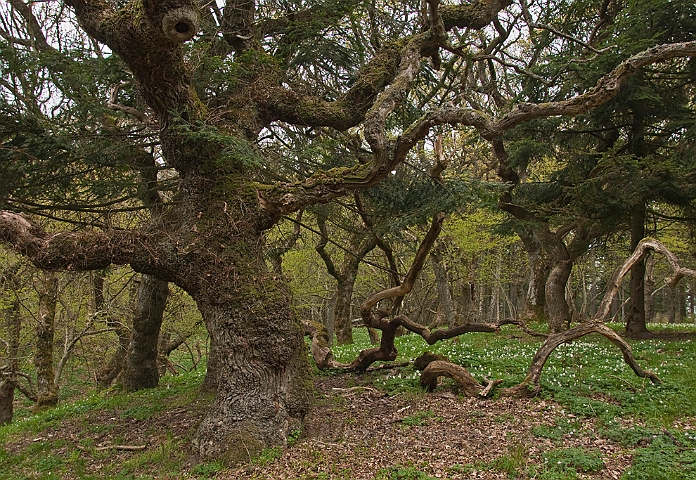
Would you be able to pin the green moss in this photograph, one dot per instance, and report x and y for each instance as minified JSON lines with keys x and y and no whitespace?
{"x":244,"y":445}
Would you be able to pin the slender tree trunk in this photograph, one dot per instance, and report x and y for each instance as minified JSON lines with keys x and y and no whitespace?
{"x":635,"y":310}
{"x":469,"y":300}
{"x":47,"y":391}
{"x":442,"y":282}
{"x":140,"y":369}
{"x":360,"y":244}
{"x":12,"y":321}
{"x":108,"y":373}
{"x":344,"y":296}
{"x":676,"y":304}
{"x":539,"y":269}
{"x":650,"y":289}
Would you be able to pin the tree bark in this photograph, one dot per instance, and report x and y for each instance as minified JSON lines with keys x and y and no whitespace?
{"x":108,"y":373}
{"x":263,"y":381}
{"x":469,"y":386}
{"x":47,"y":390}
{"x":635,"y":310}
{"x":262,"y":377}
{"x":140,"y":369}
{"x":329,"y":317}
{"x":13,"y":324}
{"x":442,"y":283}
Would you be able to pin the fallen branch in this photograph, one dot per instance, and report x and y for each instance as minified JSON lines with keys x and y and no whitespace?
{"x":489,"y":388}
{"x":130,"y":448}
{"x":438,"y":368}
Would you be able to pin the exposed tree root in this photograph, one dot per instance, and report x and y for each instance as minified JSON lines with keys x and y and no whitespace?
{"x":466,"y":381}
{"x":468,"y":384}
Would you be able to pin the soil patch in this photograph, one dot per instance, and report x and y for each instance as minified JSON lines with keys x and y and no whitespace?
{"x":359,"y":432}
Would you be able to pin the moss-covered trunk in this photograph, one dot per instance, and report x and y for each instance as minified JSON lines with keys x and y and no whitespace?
{"x":263,"y":382}
{"x":262,"y":377}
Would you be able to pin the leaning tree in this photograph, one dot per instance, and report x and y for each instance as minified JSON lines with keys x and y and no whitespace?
{"x":211,"y":80}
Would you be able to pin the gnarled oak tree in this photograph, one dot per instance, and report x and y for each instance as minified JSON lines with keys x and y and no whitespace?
{"x":215,"y":77}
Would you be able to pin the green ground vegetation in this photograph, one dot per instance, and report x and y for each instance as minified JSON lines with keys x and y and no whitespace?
{"x":587,"y":378}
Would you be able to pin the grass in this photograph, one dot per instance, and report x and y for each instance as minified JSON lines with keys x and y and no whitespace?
{"x":46,"y":457}
{"x":588,"y":378}
{"x":417,"y":419}
{"x":400,"y":472}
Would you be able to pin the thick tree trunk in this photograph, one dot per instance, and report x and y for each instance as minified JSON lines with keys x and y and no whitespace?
{"x":263,"y":379}
{"x":47,"y":391}
{"x":635,"y":310}
{"x":140,"y":369}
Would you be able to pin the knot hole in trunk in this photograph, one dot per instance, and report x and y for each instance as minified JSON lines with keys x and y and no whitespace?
{"x":181,"y":24}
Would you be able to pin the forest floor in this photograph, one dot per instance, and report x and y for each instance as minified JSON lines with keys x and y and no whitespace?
{"x":593,"y":420}
{"x":358,"y":432}
{"x":354,"y":431}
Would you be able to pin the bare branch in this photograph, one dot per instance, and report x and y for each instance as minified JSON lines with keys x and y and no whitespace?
{"x":32,"y":24}
{"x":642,"y":250}
{"x":113,"y":104}
{"x":607,"y":87}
